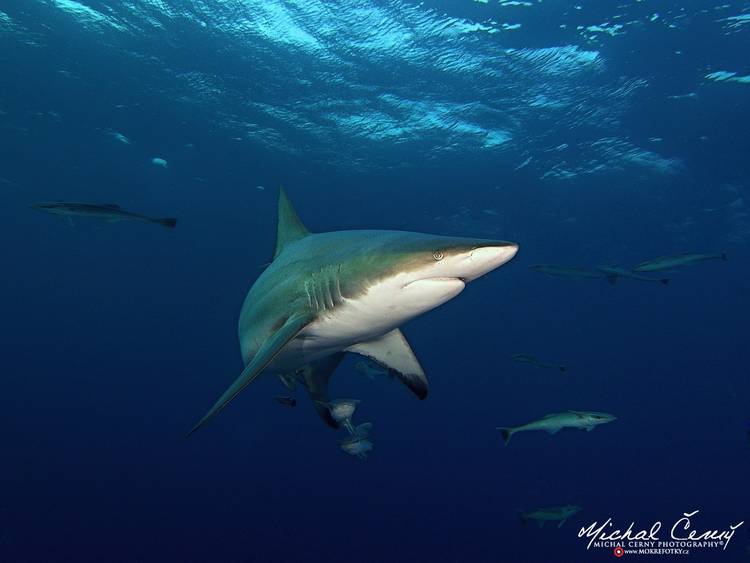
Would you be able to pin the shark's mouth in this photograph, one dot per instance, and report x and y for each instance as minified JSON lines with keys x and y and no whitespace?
{"x":439,"y":279}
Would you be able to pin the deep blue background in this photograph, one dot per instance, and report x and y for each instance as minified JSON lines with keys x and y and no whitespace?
{"x":116,"y":338}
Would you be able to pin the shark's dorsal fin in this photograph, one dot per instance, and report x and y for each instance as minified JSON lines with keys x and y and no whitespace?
{"x":393,"y":352}
{"x":290,"y":228}
{"x":266,"y":353}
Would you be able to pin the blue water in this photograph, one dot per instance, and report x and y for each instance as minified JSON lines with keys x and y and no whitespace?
{"x":544,"y":124}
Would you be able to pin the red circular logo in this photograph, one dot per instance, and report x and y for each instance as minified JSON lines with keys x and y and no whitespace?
{"x":619,"y":552}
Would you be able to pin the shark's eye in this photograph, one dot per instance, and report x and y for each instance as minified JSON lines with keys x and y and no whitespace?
{"x":438,"y":256}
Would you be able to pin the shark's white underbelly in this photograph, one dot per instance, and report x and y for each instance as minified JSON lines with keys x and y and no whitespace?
{"x":384,"y":307}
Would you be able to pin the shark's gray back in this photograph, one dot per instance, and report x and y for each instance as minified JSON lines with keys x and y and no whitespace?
{"x":315,"y":272}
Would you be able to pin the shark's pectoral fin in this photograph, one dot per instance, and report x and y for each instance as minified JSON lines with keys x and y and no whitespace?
{"x":612,"y":279}
{"x":69,"y":221}
{"x":393,"y":352}
{"x":315,"y":377}
{"x":553,"y":430}
{"x":267,"y":352}
{"x":560,"y":525}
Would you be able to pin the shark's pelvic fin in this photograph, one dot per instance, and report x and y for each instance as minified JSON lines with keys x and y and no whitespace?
{"x":316,"y":376}
{"x":393,"y":352}
{"x":267,"y":352}
{"x":290,"y":228}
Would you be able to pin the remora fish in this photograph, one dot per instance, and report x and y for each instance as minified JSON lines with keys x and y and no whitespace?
{"x":108,"y":211}
{"x":561,"y":271}
{"x":349,"y":291}
{"x":614,"y":272}
{"x":529,"y":359}
{"x":357,"y":445}
{"x":552,"y":514}
{"x":552,"y":423}
{"x":668,"y":262}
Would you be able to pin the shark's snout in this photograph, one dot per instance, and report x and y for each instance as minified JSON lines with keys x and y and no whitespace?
{"x":486,"y":258}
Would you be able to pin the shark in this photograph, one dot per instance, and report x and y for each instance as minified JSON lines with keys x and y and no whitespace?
{"x":331,"y":293}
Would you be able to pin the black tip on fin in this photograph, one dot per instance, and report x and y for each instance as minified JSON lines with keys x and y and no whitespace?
{"x":522,"y":517}
{"x":563,"y":368}
{"x":169,"y":222}
{"x":612,"y":280}
{"x":416,"y":384}
{"x":724,"y":256}
{"x":664,"y":281}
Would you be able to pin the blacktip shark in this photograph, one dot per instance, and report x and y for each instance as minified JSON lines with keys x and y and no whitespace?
{"x":108,"y":211}
{"x":329,"y":293}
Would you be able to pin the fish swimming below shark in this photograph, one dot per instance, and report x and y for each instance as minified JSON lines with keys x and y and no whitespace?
{"x":559,"y":514}
{"x":108,"y":211}
{"x":326,"y":294}
{"x":553,"y":423}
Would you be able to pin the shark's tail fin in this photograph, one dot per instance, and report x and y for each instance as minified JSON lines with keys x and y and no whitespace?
{"x":168,"y":222}
{"x":522,"y":517}
{"x":506,"y":433}
{"x":665,"y":281}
